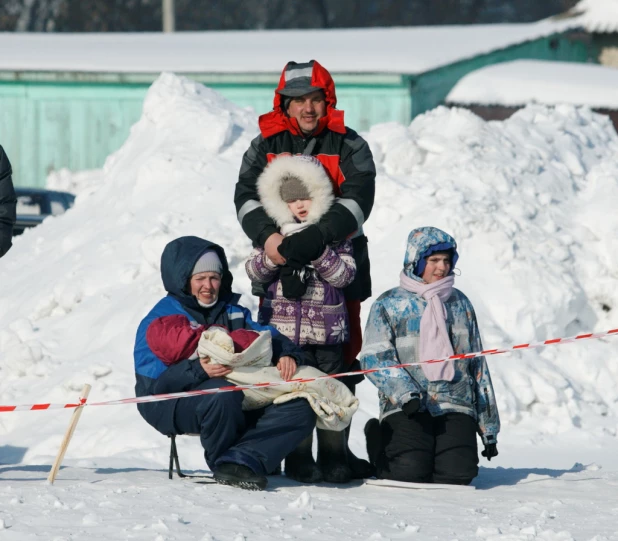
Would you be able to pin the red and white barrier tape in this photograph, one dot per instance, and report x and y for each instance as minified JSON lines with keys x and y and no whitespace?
{"x":233,"y":388}
{"x":35,"y":407}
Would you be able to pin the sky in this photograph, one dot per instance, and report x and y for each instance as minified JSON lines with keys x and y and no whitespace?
{"x":531,"y":202}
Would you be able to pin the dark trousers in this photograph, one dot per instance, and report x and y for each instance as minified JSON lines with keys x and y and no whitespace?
{"x":426,"y":449}
{"x":332,"y":360}
{"x":328,"y":359}
{"x":353,"y":346}
{"x":258,"y":439}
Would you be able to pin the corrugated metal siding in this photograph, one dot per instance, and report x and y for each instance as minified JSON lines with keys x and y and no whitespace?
{"x":364,"y":104}
{"x":46,"y":126}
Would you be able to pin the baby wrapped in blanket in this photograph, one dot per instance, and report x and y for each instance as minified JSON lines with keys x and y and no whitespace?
{"x":249,"y":354}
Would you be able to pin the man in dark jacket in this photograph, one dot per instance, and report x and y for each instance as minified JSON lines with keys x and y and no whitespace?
{"x":8,"y":202}
{"x":304,"y":120}
{"x":241,"y":448}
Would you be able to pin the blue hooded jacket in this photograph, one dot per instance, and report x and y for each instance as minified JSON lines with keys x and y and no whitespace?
{"x":392,"y":337}
{"x":152,"y":375}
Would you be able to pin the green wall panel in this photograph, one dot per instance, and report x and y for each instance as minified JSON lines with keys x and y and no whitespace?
{"x":364,"y":105}
{"x":53,"y":120}
{"x":45,"y":127}
{"x":49,"y":126}
{"x":429,"y":90}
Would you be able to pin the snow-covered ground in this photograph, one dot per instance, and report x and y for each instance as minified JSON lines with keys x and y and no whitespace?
{"x":532,"y":203}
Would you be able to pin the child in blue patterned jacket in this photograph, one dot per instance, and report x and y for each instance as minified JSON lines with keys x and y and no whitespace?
{"x":429,"y":413}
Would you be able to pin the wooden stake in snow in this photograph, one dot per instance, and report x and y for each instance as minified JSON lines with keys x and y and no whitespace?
{"x":68,"y":435}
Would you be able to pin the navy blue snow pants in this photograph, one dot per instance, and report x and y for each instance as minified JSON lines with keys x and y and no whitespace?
{"x":259,"y":439}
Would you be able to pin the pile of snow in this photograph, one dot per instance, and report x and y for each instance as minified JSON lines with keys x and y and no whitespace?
{"x":521,"y":82}
{"x":532,"y":203}
{"x":530,"y":200}
{"x":73,"y":290}
{"x":74,"y":182}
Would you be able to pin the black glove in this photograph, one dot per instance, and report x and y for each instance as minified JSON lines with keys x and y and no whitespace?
{"x":293,"y":282}
{"x":351,"y":381}
{"x":491,"y":450}
{"x":303,"y":247}
{"x":411,"y":406}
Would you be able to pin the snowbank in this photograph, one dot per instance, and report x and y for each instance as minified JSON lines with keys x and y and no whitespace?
{"x":72,"y":290}
{"x":531,"y":201}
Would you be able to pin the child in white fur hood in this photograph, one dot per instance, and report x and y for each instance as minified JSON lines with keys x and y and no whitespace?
{"x":307,"y":306}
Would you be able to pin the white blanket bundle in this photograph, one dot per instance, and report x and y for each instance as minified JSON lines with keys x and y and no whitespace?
{"x":331,"y":400}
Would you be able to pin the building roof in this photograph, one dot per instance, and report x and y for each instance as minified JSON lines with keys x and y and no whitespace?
{"x":407,"y":50}
{"x":597,"y":15}
{"x":521,"y":82}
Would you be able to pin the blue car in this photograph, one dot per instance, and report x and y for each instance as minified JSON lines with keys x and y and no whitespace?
{"x":35,"y":204}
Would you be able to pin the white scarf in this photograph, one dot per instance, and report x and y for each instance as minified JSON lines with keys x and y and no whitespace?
{"x":293,"y":227}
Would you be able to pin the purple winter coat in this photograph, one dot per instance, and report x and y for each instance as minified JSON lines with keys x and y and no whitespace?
{"x":320,"y":316}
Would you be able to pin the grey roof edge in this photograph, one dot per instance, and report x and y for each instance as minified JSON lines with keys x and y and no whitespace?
{"x":521,"y":105}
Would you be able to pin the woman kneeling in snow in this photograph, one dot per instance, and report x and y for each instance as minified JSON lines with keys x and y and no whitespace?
{"x":429,"y":413}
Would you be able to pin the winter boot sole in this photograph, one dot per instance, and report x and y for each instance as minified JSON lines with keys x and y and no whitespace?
{"x":239,"y":476}
{"x":244,"y":484}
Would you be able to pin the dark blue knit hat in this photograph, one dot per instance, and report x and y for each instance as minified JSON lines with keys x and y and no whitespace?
{"x":442,"y":247}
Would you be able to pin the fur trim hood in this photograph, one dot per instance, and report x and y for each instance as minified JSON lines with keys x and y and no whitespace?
{"x":311,"y":174}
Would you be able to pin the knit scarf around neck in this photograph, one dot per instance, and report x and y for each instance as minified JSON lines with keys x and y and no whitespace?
{"x":434,"y":340}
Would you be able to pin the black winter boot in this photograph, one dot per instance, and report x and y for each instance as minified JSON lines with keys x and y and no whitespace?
{"x":299,"y":464}
{"x":332,"y":456}
{"x":360,"y":468}
{"x":238,"y":475}
{"x":373,"y":438}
